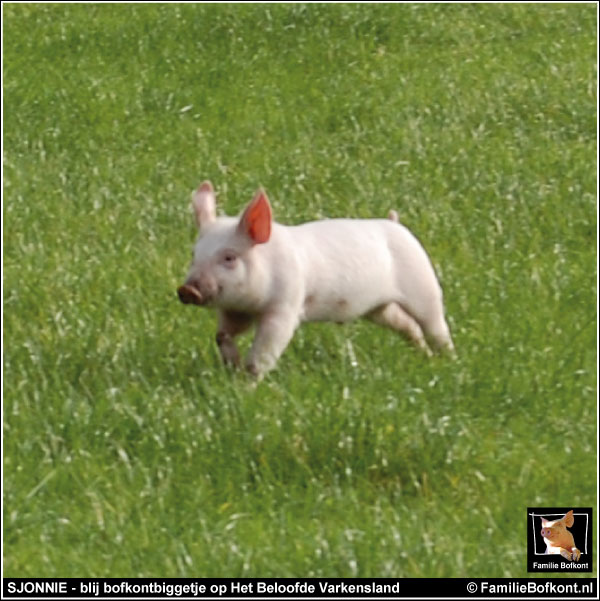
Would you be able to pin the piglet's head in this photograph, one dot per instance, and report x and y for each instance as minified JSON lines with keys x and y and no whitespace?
{"x":223,"y":267}
{"x":554,"y":530}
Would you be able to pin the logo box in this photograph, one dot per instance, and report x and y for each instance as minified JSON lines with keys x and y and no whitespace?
{"x":538,"y":560}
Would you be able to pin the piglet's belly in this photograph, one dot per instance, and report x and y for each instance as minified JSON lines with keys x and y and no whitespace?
{"x":339,"y":307}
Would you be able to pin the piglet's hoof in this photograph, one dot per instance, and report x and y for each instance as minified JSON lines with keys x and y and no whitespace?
{"x":252,"y":369}
{"x":256,"y":375}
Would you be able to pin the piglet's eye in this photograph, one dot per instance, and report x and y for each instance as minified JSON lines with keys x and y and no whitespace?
{"x":229,"y":258}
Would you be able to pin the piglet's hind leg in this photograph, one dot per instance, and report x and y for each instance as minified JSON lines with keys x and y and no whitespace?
{"x":394,"y":317}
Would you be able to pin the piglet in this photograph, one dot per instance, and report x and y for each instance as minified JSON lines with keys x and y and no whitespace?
{"x":255,"y":271}
{"x":559,"y":541}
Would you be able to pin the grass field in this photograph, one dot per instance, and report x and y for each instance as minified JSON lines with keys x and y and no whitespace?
{"x":130,"y":451}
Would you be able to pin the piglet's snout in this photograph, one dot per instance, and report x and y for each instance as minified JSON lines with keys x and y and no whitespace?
{"x":189,"y":295}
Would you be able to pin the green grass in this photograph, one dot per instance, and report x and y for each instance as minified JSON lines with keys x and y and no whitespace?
{"x":130,"y":451}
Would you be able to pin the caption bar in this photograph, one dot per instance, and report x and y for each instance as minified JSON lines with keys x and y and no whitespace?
{"x":307,"y":588}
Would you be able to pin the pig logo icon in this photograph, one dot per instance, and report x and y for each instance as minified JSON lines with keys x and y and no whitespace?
{"x":559,"y":541}
{"x":256,"y":272}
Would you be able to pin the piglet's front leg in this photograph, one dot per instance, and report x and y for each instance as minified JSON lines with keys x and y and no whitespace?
{"x":273,"y":333}
{"x":572,"y":554}
{"x":231,"y":324}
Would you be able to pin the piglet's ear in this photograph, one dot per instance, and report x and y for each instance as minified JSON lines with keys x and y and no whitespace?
{"x":256,"y":220}
{"x":204,"y":204}
{"x":569,"y":519}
